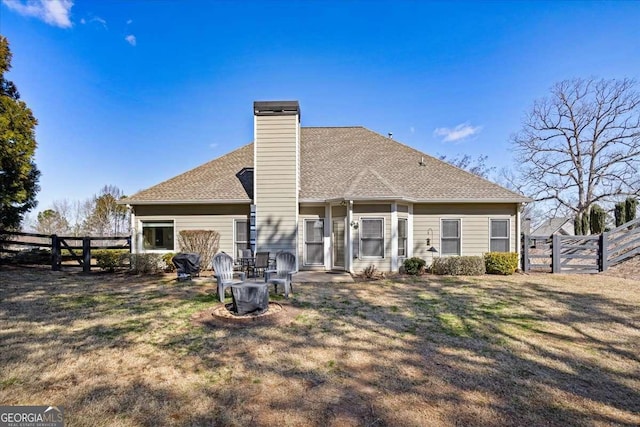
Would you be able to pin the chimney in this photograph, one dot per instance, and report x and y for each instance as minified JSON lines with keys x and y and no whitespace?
{"x":276,"y":174}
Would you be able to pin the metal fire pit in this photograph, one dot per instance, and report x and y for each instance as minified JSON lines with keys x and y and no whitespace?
{"x":250,"y":298}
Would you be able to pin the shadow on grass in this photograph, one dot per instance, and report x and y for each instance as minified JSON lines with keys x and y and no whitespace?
{"x":450,"y":351}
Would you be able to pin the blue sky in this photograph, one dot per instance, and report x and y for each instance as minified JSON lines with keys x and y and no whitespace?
{"x":131,"y":93}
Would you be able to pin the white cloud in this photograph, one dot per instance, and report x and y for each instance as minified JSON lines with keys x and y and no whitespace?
{"x":99,"y":21}
{"x":131,"y":39}
{"x":53,"y":12}
{"x":83,"y":21}
{"x":129,"y":21}
{"x":458,"y":133}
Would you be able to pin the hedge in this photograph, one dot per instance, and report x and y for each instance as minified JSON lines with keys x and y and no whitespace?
{"x":505,"y":263}
{"x":414,"y":266}
{"x":458,"y":266}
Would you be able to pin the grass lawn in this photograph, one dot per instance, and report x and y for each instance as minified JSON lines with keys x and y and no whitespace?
{"x":522,"y":350}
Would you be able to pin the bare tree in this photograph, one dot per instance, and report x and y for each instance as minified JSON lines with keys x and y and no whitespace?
{"x":581,"y":144}
{"x":477,"y":167}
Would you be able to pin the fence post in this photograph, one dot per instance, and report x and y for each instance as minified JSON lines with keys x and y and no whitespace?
{"x":86,"y":254}
{"x":604,"y":252}
{"x":526,"y":242}
{"x":555,"y":251}
{"x":55,"y":253}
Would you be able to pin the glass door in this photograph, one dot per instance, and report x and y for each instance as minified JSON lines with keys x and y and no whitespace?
{"x":337,"y":242}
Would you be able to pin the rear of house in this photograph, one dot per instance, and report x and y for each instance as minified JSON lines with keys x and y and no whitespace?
{"x":339,"y":198}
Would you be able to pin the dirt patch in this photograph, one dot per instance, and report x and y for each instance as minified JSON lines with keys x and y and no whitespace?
{"x":221,"y":316}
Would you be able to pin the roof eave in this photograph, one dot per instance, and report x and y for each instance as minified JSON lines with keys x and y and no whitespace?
{"x":413,"y":200}
{"x":185,"y":202}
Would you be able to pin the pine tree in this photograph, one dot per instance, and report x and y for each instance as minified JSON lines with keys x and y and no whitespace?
{"x":18,"y":172}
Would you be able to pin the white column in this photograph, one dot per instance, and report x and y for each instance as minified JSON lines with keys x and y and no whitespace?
{"x":349,"y":237}
{"x":410,"y":231}
{"x":394,"y":236}
{"x":518,"y":228}
{"x":328,"y":224}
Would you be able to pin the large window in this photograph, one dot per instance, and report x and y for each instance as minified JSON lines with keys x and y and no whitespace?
{"x":402,"y":237}
{"x":450,"y":237}
{"x":499,"y":235}
{"x":157,"y":235}
{"x":372,"y":238}
{"x":241,"y":237}
{"x":313,"y":241}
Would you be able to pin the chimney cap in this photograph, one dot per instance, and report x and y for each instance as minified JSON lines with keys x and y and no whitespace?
{"x":276,"y":108}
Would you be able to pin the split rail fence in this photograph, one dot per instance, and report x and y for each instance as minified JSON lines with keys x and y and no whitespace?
{"x":581,"y":254}
{"x":61,"y":248}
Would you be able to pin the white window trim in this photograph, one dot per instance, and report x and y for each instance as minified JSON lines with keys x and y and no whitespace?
{"x":304,"y":242}
{"x":459,"y":235}
{"x":384,"y":240}
{"x":406,"y":251}
{"x":500,"y":218}
{"x":140,"y":244}
{"x":235,"y":227}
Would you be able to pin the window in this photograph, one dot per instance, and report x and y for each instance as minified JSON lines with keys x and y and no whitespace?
{"x":157,"y":235}
{"x":499,"y":235}
{"x":313,"y":241}
{"x":372,"y":238}
{"x":241,"y":237}
{"x":402,"y":237}
{"x":450,"y":237}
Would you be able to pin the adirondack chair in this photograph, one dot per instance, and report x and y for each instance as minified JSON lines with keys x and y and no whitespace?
{"x":223,"y":271}
{"x":282,"y":275}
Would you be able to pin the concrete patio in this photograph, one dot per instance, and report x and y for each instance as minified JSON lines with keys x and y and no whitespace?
{"x":322,"y":277}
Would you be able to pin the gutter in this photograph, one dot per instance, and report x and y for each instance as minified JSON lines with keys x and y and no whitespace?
{"x":184,"y":202}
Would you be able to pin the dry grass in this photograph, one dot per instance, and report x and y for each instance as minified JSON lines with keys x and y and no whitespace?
{"x":521,"y":350}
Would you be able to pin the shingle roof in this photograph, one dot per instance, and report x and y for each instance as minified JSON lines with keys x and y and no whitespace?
{"x":550,"y":226}
{"x":336,"y":163}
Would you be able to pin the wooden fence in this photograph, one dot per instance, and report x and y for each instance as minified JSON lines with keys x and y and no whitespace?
{"x":581,"y":254}
{"x":78,"y":249}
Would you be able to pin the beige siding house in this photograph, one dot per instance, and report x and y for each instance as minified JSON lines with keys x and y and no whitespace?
{"x":339,"y":198}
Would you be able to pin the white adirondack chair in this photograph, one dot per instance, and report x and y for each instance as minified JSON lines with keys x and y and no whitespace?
{"x":223,"y":272}
{"x":282,"y":275}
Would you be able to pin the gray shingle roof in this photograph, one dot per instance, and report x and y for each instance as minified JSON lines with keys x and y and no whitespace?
{"x":551,"y":226}
{"x":335,"y":163}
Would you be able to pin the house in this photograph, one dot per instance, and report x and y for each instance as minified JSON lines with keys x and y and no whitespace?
{"x":339,"y":198}
{"x":563,"y":226}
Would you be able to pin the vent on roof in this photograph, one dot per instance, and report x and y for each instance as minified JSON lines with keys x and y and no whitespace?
{"x":422,"y":163}
{"x":390,"y":135}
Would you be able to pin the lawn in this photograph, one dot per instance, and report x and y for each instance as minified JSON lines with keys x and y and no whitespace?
{"x":123,"y":350}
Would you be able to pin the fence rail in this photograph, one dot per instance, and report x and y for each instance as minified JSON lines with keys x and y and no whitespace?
{"x":581,"y":254}
{"x":79,"y":248}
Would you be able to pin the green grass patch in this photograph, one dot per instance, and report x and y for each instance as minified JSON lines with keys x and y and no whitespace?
{"x":453,"y":325}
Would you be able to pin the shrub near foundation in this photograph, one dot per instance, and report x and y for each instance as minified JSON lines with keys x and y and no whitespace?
{"x":458,"y":266}
{"x":505,"y":263}
{"x":109,"y":259}
{"x":414,"y":266}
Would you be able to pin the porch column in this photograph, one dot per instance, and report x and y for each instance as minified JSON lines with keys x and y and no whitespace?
{"x":328,"y":225}
{"x":349,"y":237}
{"x":410,"y":231}
{"x":394,"y":236}
{"x":518,"y":231}
{"x":134,"y":234}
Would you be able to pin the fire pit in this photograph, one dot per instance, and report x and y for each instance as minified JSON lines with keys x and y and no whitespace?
{"x":249,"y":298}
